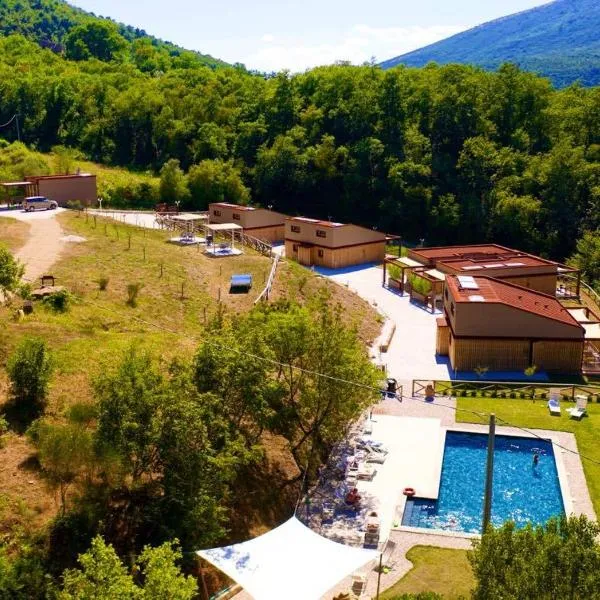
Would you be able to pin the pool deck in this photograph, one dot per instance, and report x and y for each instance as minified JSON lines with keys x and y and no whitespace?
{"x":576,"y":497}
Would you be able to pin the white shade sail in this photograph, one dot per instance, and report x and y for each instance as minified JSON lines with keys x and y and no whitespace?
{"x":290,"y":561}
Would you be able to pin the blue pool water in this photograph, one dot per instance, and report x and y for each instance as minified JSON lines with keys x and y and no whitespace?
{"x":522,"y":492}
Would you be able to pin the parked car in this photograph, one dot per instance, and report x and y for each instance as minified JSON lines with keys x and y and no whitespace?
{"x":33,"y":203}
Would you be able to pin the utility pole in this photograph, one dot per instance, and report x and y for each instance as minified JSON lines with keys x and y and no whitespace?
{"x":489,"y":476}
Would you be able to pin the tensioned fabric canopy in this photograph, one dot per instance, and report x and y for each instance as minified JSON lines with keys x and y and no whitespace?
{"x":290,"y":561}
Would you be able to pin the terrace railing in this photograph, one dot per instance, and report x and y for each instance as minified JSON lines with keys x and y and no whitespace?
{"x":503,"y":389}
{"x":258,"y":245}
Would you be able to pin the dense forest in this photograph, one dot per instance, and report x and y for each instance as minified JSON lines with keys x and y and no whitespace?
{"x":448,"y":154}
{"x":559,"y":40}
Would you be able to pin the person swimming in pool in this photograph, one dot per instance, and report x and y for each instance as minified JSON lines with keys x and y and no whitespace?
{"x":536,"y":459}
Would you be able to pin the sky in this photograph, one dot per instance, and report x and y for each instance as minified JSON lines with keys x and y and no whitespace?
{"x":271,"y":35}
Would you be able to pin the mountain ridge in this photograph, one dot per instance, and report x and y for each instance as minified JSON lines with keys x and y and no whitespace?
{"x":48,"y":22}
{"x":559,"y":40}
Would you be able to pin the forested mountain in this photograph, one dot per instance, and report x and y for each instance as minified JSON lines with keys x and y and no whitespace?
{"x":49,"y":23}
{"x":559,"y":40}
{"x":449,"y":154}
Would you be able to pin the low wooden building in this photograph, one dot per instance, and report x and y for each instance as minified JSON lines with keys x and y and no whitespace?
{"x":260,"y":223}
{"x":79,"y":187}
{"x":501,"y":326}
{"x":332,"y":245}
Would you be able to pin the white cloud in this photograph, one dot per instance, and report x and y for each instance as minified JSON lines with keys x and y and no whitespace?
{"x":356,"y":45}
{"x":268,"y":38}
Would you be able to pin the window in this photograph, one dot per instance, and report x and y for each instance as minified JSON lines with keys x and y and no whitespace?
{"x":321,"y":233}
{"x":320,"y":253}
{"x":295,"y":247}
{"x":235,"y":216}
{"x":217,"y":213}
{"x":295,"y":229}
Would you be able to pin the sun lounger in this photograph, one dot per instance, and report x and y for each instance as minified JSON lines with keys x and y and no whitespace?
{"x":366,"y":471}
{"x":580,"y":409}
{"x":554,"y":407}
{"x":576,"y":413}
{"x":372,"y":456}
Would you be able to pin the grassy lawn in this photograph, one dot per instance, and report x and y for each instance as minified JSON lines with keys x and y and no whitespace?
{"x":441,"y":570}
{"x":535,"y":415}
{"x":13,"y":233}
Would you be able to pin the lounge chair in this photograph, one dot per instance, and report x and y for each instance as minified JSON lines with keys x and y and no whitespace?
{"x":580,"y":409}
{"x":366,"y":471}
{"x":554,"y":407}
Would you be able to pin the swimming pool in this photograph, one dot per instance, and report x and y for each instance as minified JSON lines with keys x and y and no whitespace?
{"x":522,"y":492}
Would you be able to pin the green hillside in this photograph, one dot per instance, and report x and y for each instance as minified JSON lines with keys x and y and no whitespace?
{"x":559,"y":40}
{"x":49,"y":23}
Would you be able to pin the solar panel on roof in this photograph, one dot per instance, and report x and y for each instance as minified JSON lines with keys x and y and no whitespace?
{"x":467,"y":282}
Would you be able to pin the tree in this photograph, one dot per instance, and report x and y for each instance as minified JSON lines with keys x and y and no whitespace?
{"x":216,"y":181}
{"x":64,"y":451}
{"x":94,"y":39}
{"x":587,"y":257}
{"x":558,"y":560}
{"x":11,"y":270}
{"x":128,"y":401}
{"x":29,"y":370}
{"x":173,"y":183}
{"x":104,"y":577}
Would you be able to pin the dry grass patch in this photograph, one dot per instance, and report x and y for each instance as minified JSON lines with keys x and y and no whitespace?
{"x":13,"y":233}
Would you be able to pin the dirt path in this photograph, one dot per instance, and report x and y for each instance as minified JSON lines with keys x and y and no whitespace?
{"x":42,"y":249}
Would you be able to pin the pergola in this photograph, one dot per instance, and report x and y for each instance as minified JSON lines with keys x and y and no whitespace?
{"x":226,"y":248}
{"x":404,"y":264}
{"x":29,"y":189}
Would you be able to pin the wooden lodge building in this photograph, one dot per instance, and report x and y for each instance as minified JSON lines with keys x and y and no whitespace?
{"x":502,"y":326}
{"x":260,"y":223}
{"x":332,"y":245}
{"x":61,"y":188}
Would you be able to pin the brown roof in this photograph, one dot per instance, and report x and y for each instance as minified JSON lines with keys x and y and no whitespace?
{"x":35,"y":178}
{"x":484,"y":256}
{"x":496,"y":291}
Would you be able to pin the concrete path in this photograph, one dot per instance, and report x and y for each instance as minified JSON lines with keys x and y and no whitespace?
{"x":411,"y":355}
{"x":44,"y":245}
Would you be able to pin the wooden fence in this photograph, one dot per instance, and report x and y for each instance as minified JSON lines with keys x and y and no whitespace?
{"x":264,"y":295}
{"x":503,"y":389}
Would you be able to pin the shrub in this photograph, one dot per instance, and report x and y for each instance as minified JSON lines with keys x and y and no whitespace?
{"x":73,"y":205}
{"x":3,"y":430}
{"x":513,"y":395}
{"x":103,"y":283}
{"x":29,"y":370}
{"x":59,"y":301}
{"x":133,"y":289}
{"x":11,"y":270}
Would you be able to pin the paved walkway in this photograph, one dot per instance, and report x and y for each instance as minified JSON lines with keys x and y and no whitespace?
{"x":411,"y":355}
{"x":44,"y":245}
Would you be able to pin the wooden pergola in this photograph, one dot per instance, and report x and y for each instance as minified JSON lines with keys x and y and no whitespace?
{"x":29,"y":189}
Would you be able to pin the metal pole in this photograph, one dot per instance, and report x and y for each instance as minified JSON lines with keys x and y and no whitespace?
{"x":489,"y":477}
{"x":379,"y":574}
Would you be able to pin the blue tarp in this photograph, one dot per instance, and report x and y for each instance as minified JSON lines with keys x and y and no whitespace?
{"x":241,"y":281}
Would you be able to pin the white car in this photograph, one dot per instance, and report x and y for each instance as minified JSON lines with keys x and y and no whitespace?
{"x":33,"y":203}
